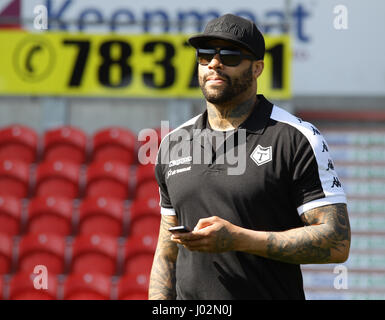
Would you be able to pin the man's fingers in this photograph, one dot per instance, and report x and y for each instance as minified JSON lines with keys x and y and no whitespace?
{"x":204,"y":222}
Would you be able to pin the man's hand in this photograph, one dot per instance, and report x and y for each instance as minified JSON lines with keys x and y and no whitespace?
{"x":211,"y":234}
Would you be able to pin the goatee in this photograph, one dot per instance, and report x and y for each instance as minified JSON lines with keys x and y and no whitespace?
{"x":232,"y":87}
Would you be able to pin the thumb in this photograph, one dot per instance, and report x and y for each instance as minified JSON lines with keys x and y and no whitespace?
{"x":203,"y":223}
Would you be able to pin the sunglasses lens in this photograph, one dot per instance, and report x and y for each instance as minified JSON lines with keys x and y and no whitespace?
{"x":231,"y":59}
{"x":205,"y":56}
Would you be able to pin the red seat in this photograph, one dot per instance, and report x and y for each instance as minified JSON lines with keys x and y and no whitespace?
{"x":145,"y":217}
{"x":114,"y":144}
{"x":101,"y":215}
{"x":14,"y":178}
{"x":108,"y":179}
{"x":65,"y":143}
{"x":57,"y":178}
{"x":25,"y":286}
{"x":94,"y":253}
{"x":139,"y":254}
{"x":10,"y":215}
{"x":133,"y":287}
{"x":87,"y":286}
{"x":147,"y":189}
{"x":46,"y":249}
{"x":50,"y":214}
{"x":145,"y":173}
{"x":2,"y":285}
{"x":18,"y":142}
{"x":6,"y":253}
{"x":153,"y":135}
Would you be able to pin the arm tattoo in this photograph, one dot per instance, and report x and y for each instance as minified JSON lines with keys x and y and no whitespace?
{"x":325,"y":238}
{"x":162,"y":279}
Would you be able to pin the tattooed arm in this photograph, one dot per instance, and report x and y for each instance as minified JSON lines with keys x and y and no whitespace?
{"x":325,"y":238}
{"x":162,"y":279}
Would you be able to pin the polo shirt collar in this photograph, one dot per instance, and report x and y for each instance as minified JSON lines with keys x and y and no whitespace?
{"x":255,"y":123}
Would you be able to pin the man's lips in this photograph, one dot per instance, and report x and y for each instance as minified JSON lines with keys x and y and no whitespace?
{"x":215,"y":79}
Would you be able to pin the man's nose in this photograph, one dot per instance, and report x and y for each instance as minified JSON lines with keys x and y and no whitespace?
{"x":215,"y":62}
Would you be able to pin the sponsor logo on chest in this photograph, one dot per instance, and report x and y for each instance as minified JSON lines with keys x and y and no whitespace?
{"x":178,"y":162}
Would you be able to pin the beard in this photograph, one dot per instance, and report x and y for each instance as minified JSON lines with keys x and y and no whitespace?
{"x":232,"y":87}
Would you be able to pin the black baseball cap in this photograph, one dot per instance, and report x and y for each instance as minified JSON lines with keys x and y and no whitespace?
{"x":237,"y":30}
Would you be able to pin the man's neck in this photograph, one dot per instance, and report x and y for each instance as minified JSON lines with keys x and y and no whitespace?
{"x":229,"y":116}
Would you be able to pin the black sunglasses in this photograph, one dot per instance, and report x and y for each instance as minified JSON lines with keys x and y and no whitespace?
{"x":228,"y":57}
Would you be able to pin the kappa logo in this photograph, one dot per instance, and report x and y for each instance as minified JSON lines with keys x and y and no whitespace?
{"x":262,"y":155}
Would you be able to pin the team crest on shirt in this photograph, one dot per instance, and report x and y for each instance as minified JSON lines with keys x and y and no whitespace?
{"x":262,"y":155}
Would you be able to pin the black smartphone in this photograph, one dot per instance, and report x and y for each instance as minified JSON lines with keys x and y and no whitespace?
{"x":181,"y":229}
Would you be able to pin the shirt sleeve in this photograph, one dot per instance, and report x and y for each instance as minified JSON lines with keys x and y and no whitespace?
{"x":165,"y":202}
{"x":315,"y":180}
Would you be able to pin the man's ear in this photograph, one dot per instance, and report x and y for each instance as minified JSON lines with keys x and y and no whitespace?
{"x":258,"y":68}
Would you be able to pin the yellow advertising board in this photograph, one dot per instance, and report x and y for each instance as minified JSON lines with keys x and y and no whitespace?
{"x":117,"y":65}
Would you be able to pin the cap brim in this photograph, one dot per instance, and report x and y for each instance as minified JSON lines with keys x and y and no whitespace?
{"x":199,"y":40}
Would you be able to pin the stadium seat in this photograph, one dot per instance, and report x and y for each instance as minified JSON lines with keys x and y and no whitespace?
{"x":18,"y":142}
{"x":2,"y":287}
{"x":139,"y":254}
{"x":6,"y":253}
{"x":144,"y":217}
{"x":10,"y":215}
{"x":145,"y":173}
{"x":14,"y":178}
{"x":149,"y":134}
{"x":57,"y":178}
{"x":50,"y":214}
{"x":46,"y":249}
{"x":94,"y":253}
{"x":147,"y":189}
{"x":133,"y":287}
{"x":25,"y":286}
{"x":65,"y":143}
{"x":87,"y":286}
{"x":101,"y":215}
{"x":108,"y":179}
{"x":114,"y":144}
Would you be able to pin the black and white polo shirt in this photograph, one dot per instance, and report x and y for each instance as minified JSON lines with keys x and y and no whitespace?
{"x":261,"y":176}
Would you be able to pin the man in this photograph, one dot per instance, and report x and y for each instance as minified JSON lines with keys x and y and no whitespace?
{"x":250,"y":231}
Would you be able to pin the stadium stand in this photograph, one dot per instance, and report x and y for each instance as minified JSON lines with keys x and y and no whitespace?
{"x":145,"y":173}
{"x":149,"y":189}
{"x":90,"y":216}
{"x":46,"y":249}
{"x":50,"y":214}
{"x":94,"y":253}
{"x":2,"y":287}
{"x":57,"y":178}
{"x":114,"y":144}
{"x":18,"y":142}
{"x":358,"y":153}
{"x":14,"y":178}
{"x":139,"y":253}
{"x":6,"y":253}
{"x":10,"y":215}
{"x":133,"y":286}
{"x":144,"y":217}
{"x":87,"y":286}
{"x":108,"y":179}
{"x":65,"y":144}
{"x":25,"y":286}
{"x":101,"y":215}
